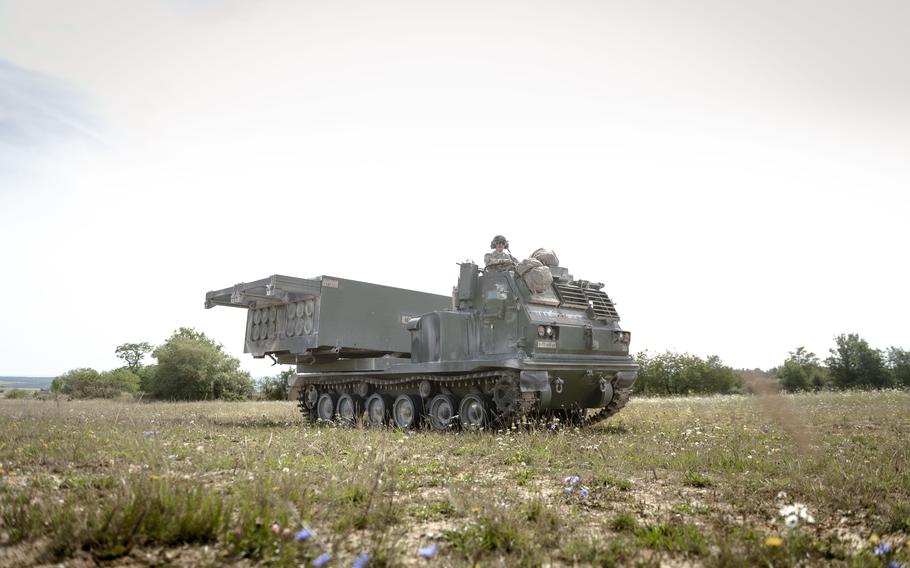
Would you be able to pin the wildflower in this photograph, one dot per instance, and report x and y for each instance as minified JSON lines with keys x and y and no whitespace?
{"x":427,"y":551}
{"x":276,"y":528}
{"x":774,"y":541}
{"x":322,"y":559}
{"x":570,"y":489}
{"x":361,"y":561}
{"x":303,"y":534}
{"x":584,"y":492}
{"x":895,"y":564}
{"x":150,"y":433}
{"x":575,"y":479}
{"x":883,"y":549}
{"x":798,"y":512}
{"x":873,"y":539}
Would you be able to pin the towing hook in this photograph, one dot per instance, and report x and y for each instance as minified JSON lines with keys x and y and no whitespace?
{"x":557,"y":384}
{"x":604,"y":384}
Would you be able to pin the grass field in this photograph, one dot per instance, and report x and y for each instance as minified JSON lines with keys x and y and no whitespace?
{"x":678,"y":482}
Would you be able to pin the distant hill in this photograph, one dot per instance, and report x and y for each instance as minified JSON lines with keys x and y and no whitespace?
{"x":25,"y":382}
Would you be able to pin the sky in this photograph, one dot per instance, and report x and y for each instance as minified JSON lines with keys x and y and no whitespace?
{"x":737,"y":173}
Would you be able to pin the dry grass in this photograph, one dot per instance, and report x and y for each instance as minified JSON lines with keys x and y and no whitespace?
{"x":697,"y":481}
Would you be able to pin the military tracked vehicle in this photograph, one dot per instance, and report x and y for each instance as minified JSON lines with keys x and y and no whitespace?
{"x":494,"y":352}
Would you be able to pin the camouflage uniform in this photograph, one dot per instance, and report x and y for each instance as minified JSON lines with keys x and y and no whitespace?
{"x":498,"y":261}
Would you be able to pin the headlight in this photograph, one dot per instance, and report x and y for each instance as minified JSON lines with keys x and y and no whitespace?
{"x":541,"y":330}
{"x":549,"y":331}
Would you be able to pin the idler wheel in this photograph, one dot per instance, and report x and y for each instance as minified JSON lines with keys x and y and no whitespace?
{"x":325,"y":407}
{"x":379,"y":409}
{"x":443,"y":411}
{"x":310,"y":397}
{"x":406,"y":411}
{"x":350,"y":407}
{"x":474,"y":412}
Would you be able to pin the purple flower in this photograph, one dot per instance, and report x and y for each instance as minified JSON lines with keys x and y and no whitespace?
{"x":361,"y":561}
{"x":151,"y":433}
{"x":570,"y":489}
{"x":322,"y":559}
{"x":427,"y":551}
{"x":585,"y":492}
{"x":575,"y":479}
{"x":883,"y":549}
{"x":303,"y":534}
{"x":895,"y":564}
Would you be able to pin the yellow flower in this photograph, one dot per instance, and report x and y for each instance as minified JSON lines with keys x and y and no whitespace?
{"x":873,"y":539}
{"x":774,"y":541}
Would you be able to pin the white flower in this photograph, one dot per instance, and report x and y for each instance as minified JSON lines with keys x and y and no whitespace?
{"x":791,"y":521}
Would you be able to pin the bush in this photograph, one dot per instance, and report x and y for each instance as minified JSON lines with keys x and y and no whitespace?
{"x":192,"y":366}
{"x":89,"y":383}
{"x":275,"y":388}
{"x":17,"y":393}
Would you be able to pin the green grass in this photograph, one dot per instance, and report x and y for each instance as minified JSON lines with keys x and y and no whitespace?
{"x":697,"y":481}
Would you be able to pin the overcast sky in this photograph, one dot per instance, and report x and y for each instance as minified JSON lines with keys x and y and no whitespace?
{"x":737,"y":173}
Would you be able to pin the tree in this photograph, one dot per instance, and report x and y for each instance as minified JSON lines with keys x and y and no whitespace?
{"x":192,"y":366}
{"x":899,"y":366}
{"x":275,"y":388}
{"x":802,"y":372}
{"x":133,"y":353}
{"x":854,"y":364}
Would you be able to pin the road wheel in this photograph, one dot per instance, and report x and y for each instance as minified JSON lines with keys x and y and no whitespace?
{"x":350,"y":408}
{"x":325,"y":407}
{"x":474,"y":412}
{"x":443,"y":411}
{"x":379,"y":407}
{"x":406,"y":411}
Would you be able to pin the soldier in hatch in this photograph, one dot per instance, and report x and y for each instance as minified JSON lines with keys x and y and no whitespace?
{"x":499,"y":259}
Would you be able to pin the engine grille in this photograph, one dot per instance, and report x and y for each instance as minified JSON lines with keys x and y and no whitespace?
{"x":577,"y":297}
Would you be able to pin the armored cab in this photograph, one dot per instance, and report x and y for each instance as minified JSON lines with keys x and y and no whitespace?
{"x":497,"y":350}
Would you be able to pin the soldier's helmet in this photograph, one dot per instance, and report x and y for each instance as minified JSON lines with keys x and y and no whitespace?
{"x":499,"y":239}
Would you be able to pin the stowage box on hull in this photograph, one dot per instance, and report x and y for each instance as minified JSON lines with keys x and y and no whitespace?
{"x":290,"y":317}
